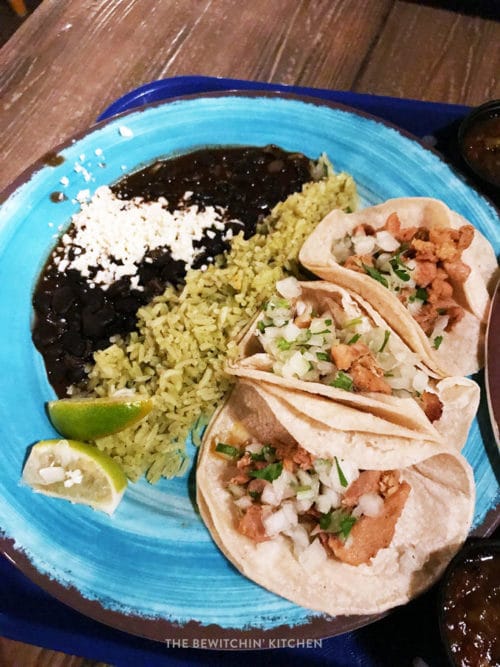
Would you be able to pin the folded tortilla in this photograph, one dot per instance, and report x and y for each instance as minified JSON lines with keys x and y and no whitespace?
{"x":460,"y":350}
{"x":459,"y":396}
{"x":431,"y":527}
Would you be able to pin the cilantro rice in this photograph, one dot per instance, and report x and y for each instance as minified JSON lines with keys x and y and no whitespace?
{"x":183,"y":338}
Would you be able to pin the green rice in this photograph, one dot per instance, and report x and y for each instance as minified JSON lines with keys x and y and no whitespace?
{"x":183,"y":338}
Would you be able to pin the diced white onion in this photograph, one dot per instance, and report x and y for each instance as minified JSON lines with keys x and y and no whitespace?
{"x":291,"y":332}
{"x":254,"y":448}
{"x":236,"y":490}
{"x":363,"y":245}
{"x":52,"y":474}
{"x":420,"y":381}
{"x":277,"y":522}
{"x":386,"y":241}
{"x":244,"y":502}
{"x":283,"y":485}
{"x":323,"y":503}
{"x":269,"y":495}
{"x":290,"y":513}
{"x":289,"y":288}
{"x":300,"y":538}
{"x":295,"y":366}
{"x":314,"y":556}
{"x":303,"y":505}
{"x":341,"y":249}
{"x":369,"y":504}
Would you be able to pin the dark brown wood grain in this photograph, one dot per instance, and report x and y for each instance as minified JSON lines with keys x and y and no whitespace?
{"x":430,"y":53}
{"x":70,"y":60}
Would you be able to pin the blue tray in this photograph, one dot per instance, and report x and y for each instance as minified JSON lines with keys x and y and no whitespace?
{"x":30,"y":615}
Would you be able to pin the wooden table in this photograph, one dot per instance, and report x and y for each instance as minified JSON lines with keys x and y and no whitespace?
{"x":70,"y":59}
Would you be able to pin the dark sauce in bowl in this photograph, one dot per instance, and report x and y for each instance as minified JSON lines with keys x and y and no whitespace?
{"x":74,"y":317}
{"x":470,"y":613}
{"x":480,"y":141}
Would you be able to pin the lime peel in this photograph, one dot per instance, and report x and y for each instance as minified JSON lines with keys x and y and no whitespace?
{"x":75,"y":471}
{"x":94,"y":418}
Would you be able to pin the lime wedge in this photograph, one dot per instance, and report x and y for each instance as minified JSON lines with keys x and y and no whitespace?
{"x":75,"y":471}
{"x":92,"y":418}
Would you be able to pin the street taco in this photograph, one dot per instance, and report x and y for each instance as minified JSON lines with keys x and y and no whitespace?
{"x":423,"y":266}
{"x":321,"y":338}
{"x":341,"y":528}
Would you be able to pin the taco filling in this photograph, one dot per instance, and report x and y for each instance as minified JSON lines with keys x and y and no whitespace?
{"x":326,"y":508}
{"x":421,"y":266}
{"x":340,"y":347}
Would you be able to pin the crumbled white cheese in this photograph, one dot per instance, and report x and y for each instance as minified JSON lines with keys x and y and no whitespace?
{"x":125,"y":131}
{"x":113,"y":235}
{"x":64,"y":181}
{"x":73,"y":477}
{"x":80,"y":169}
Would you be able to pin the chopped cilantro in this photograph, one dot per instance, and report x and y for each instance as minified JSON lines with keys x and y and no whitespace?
{"x":437,"y":342}
{"x":325,"y":520}
{"x":342,"y":381}
{"x":323,"y":356}
{"x":269,"y":473}
{"x":266,"y":454}
{"x":348,"y":209}
{"x":375,"y":274}
{"x":387,"y":333}
{"x":346,"y":524}
{"x":337,"y":521}
{"x":227,"y":450}
{"x":342,"y":479}
{"x":401,"y":274}
{"x":283,"y":344}
{"x":354,"y":339}
{"x":261,"y":326}
{"x":328,"y":323}
{"x":255,"y":495}
{"x":352,"y":323}
{"x":281,"y":303}
{"x":420,"y":293}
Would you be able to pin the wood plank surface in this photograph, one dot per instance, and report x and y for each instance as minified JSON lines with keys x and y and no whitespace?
{"x":428,"y":53}
{"x":71,"y":59}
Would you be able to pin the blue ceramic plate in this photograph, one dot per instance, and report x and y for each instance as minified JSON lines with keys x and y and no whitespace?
{"x":152,"y":568}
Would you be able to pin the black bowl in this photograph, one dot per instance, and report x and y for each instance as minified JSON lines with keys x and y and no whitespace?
{"x":475,"y":157}
{"x":467,"y":573}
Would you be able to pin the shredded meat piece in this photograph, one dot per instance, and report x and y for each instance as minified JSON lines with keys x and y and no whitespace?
{"x":427,"y":317}
{"x":457,"y":271}
{"x":370,"y":533}
{"x":344,"y":355}
{"x":449,"y":243}
{"x":359,"y":361}
{"x":245,"y":461}
{"x":455,"y":314}
{"x":367,"y":482}
{"x":240,"y":478}
{"x":256,"y":485}
{"x":368,"y":376}
{"x":425,"y":272}
{"x":355,"y":262}
{"x":431,"y":405}
{"x":363,"y":230}
{"x":438,"y":290}
{"x":389,"y":482}
{"x":293,"y":456}
{"x":393,"y":225}
{"x":425,"y":251}
{"x":251,"y":524}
